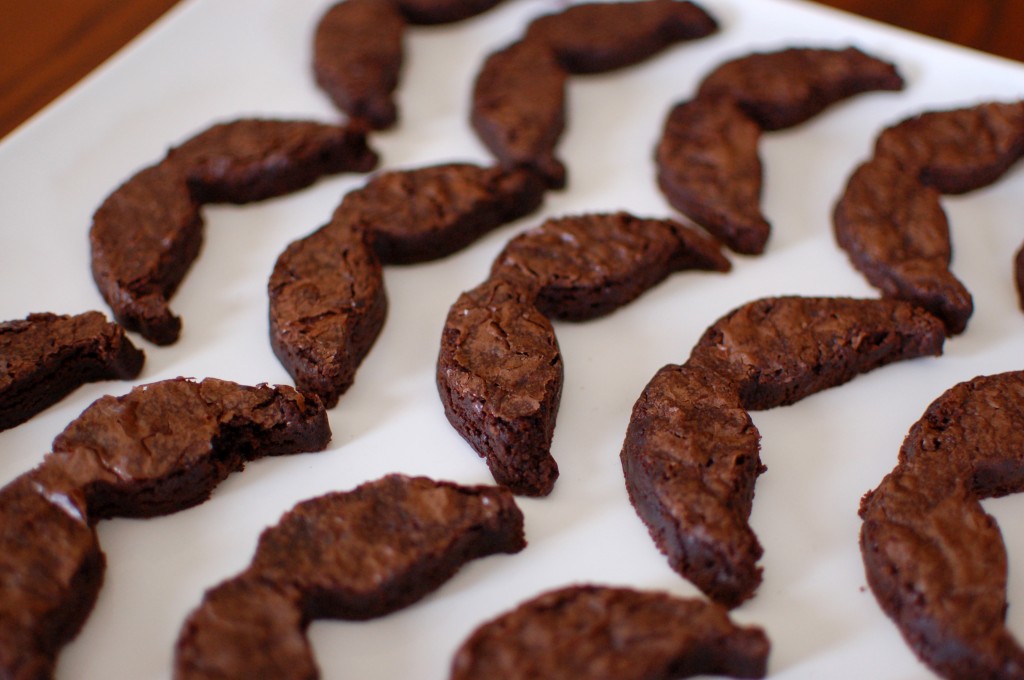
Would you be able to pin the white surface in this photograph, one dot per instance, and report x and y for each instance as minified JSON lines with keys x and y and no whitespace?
{"x":212,"y":60}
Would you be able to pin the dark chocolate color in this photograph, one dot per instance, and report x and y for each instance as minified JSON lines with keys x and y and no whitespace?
{"x":45,"y":357}
{"x":595,"y":633}
{"x":427,"y":12}
{"x":355,"y":556}
{"x":596,"y":37}
{"x":709,"y":169}
{"x":782,"y":89}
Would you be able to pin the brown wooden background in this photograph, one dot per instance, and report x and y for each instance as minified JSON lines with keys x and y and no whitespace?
{"x":48,"y":45}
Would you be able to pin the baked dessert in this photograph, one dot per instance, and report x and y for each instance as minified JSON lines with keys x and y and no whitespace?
{"x":426,"y":213}
{"x":48,"y":356}
{"x":355,"y":555}
{"x":586,"y":266}
{"x":596,"y":37}
{"x":784,"y":88}
{"x":357,"y":59}
{"x":518,"y":109}
{"x":253,"y":159}
{"x":934,"y":558}
{"x":159,"y":449}
{"x":895,"y":232}
{"x":957,"y":150}
{"x":51,"y":569}
{"x":690,"y":455}
{"x":709,"y":169}
{"x":499,"y":375}
{"x":889,"y":219}
{"x":327,"y":306}
{"x":146,"y":234}
{"x":593,"y":632}
{"x":428,"y":12}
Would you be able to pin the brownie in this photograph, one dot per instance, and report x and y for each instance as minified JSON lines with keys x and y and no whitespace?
{"x":709,"y":170}
{"x":327,"y":307}
{"x":499,"y":375}
{"x":51,"y":570}
{"x":252,"y":159}
{"x":428,"y":213}
{"x":780,"y":350}
{"x":592,"y":633}
{"x":958,"y":150}
{"x":147,"y":233}
{"x":144,"y":238}
{"x":596,"y":37}
{"x":895,"y":232}
{"x":355,"y":555}
{"x":518,"y":108}
{"x":784,"y":88}
{"x":48,"y":356}
{"x":586,"y":266}
{"x":690,"y":458}
{"x":357,"y":59}
{"x":164,"y":446}
{"x":934,"y":559}
{"x":690,"y":455}
{"x":428,"y":12}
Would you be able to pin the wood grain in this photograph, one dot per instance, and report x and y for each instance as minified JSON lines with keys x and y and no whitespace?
{"x":46,"y":46}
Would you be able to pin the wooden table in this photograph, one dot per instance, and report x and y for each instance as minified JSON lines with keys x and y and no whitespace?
{"x":46,"y":46}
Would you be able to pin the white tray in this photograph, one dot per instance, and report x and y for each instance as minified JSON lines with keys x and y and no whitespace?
{"x":213,"y":60}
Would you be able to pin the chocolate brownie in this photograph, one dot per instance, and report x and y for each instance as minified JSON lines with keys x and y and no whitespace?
{"x":51,"y":569}
{"x":709,"y":170}
{"x":782,"y":89}
{"x":690,"y":459}
{"x":690,"y":456}
{"x":427,"y":12}
{"x":355,"y":555}
{"x":327,"y":306}
{"x":164,"y":446}
{"x":934,"y":559}
{"x":427,"y":213}
{"x":589,"y":265}
{"x":895,"y":232}
{"x":518,"y":108}
{"x":45,"y":357}
{"x":593,"y":632}
{"x":147,"y":233}
{"x":500,"y":374}
{"x":959,"y":150}
{"x":252,"y":159}
{"x":596,"y":37}
{"x":144,"y":238}
{"x":357,"y":59}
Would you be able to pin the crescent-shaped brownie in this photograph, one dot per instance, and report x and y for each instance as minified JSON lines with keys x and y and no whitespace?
{"x":48,"y":356}
{"x":594,"y":632}
{"x":161,"y":448}
{"x":934,"y":559}
{"x":146,"y":234}
{"x":327,"y":307}
{"x":895,"y":232}
{"x":499,"y":375}
{"x":586,"y":266}
{"x":429,"y":12}
{"x":357,"y":59}
{"x":518,"y":108}
{"x":690,"y":455}
{"x":889,"y":219}
{"x":597,"y":37}
{"x":427,"y":213}
{"x":709,"y":169}
{"x":784,"y":88}
{"x":355,"y":555}
{"x":958,"y":150}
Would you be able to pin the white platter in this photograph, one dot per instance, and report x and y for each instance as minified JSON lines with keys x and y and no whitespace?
{"x":214,"y":60}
